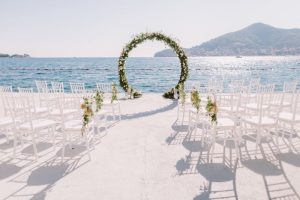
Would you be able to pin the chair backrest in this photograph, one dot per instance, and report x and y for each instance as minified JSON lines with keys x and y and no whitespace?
{"x":77,"y":88}
{"x":236,"y":86}
{"x":28,"y":97}
{"x":215,"y":86}
{"x":104,"y":87}
{"x":269,"y":88}
{"x":57,"y":87}
{"x":253,"y":85}
{"x":4,"y":92}
{"x":190,"y":87}
{"x":290,"y":86}
{"x":5,"y":89}
{"x":229,"y":100}
{"x":42,"y":86}
{"x":296,"y":105}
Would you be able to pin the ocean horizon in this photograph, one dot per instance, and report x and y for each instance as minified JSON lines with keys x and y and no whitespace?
{"x":148,"y":74}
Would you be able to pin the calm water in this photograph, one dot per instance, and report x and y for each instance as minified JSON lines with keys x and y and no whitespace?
{"x":147,"y":74}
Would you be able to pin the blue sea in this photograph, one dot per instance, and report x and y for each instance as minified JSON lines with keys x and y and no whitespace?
{"x":147,"y":74}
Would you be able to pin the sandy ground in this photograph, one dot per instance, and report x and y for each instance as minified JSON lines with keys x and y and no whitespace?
{"x":146,"y":156}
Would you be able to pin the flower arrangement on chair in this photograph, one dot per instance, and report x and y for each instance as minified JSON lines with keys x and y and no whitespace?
{"x":114,"y":91}
{"x":87,"y":107}
{"x":195,"y":99}
{"x":212,"y":109}
{"x":182,"y":94}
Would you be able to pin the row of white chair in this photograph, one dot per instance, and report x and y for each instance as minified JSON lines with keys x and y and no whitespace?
{"x":217,"y":86}
{"x":54,"y":115}
{"x":264,"y":111}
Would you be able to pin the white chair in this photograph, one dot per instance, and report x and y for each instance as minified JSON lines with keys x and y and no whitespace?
{"x":57,"y":87}
{"x":215,"y":86}
{"x":198,"y":121}
{"x":7,"y":122}
{"x":189,"y":87}
{"x":31,"y":124}
{"x":44,"y":93}
{"x":226,"y":126}
{"x":290,"y":118}
{"x":42,"y":86}
{"x":37,"y":110}
{"x":284,"y":99}
{"x":257,"y":116}
{"x":253,"y":85}
{"x":253,"y":101}
{"x":236,"y":86}
{"x":11,"y":121}
{"x":77,"y":88}
{"x":290,"y":86}
{"x":108,"y":103}
{"x":5,"y":90}
{"x":104,"y":87}
{"x":183,"y":106}
{"x":71,"y":128}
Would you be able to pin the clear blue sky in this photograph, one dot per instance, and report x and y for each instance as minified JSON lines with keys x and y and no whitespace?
{"x":50,"y":28}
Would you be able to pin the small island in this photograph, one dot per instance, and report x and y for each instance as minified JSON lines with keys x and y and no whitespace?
{"x":3,"y":55}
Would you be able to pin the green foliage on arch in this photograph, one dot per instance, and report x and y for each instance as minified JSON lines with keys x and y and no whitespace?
{"x":152,"y":36}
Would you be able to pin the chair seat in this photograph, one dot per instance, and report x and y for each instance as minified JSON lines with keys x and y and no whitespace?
{"x":254,"y":120}
{"x":73,"y":125}
{"x":230,"y":109}
{"x":40,"y":110}
{"x":288,"y":116}
{"x":225,"y":123}
{"x":64,"y":111}
{"x":283,"y":104}
{"x":5,"y":121}
{"x":254,"y":106}
{"x":39,"y":124}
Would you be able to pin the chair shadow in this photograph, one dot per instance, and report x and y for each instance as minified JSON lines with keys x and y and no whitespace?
{"x":277,"y":184}
{"x":151,"y":112}
{"x":216,"y":173}
{"x":76,"y":150}
{"x":41,"y":146}
{"x":178,"y":136}
{"x":46,"y":174}
{"x":290,"y":158}
{"x":195,"y":146}
{"x":5,"y":145}
{"x":262,"y":167}
{"x":7,"y":170}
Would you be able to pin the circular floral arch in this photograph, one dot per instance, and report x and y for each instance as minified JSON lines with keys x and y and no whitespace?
{"x":152,"y":36}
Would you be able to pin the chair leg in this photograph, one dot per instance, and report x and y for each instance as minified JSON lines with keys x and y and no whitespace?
{"x":183,"y":114}
{"x":257,"y":141}
{"x":15,"y":145}
{"x":87,"y":147}
{"x":119,"y":109}
{"x":53,"y":138}
{"x":63,"y":152}
{"x":178,"y":110}
{"x":113,"y":111}
{"x":277,"y":140}
{"x":34,"y":146}
{"x":290,"y":139}
{"x":213,"y":145}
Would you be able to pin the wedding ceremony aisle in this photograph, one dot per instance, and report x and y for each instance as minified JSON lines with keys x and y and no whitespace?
{"x":147,"y":155}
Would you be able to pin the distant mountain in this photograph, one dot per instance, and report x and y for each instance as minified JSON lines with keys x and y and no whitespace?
{"x":2,"y":55}
{"x":256,"y":39}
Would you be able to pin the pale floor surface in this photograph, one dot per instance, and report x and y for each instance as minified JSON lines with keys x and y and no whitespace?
{"x":146,"y":156}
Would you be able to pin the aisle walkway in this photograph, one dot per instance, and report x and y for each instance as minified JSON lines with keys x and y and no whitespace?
{"x":144,"y":157}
